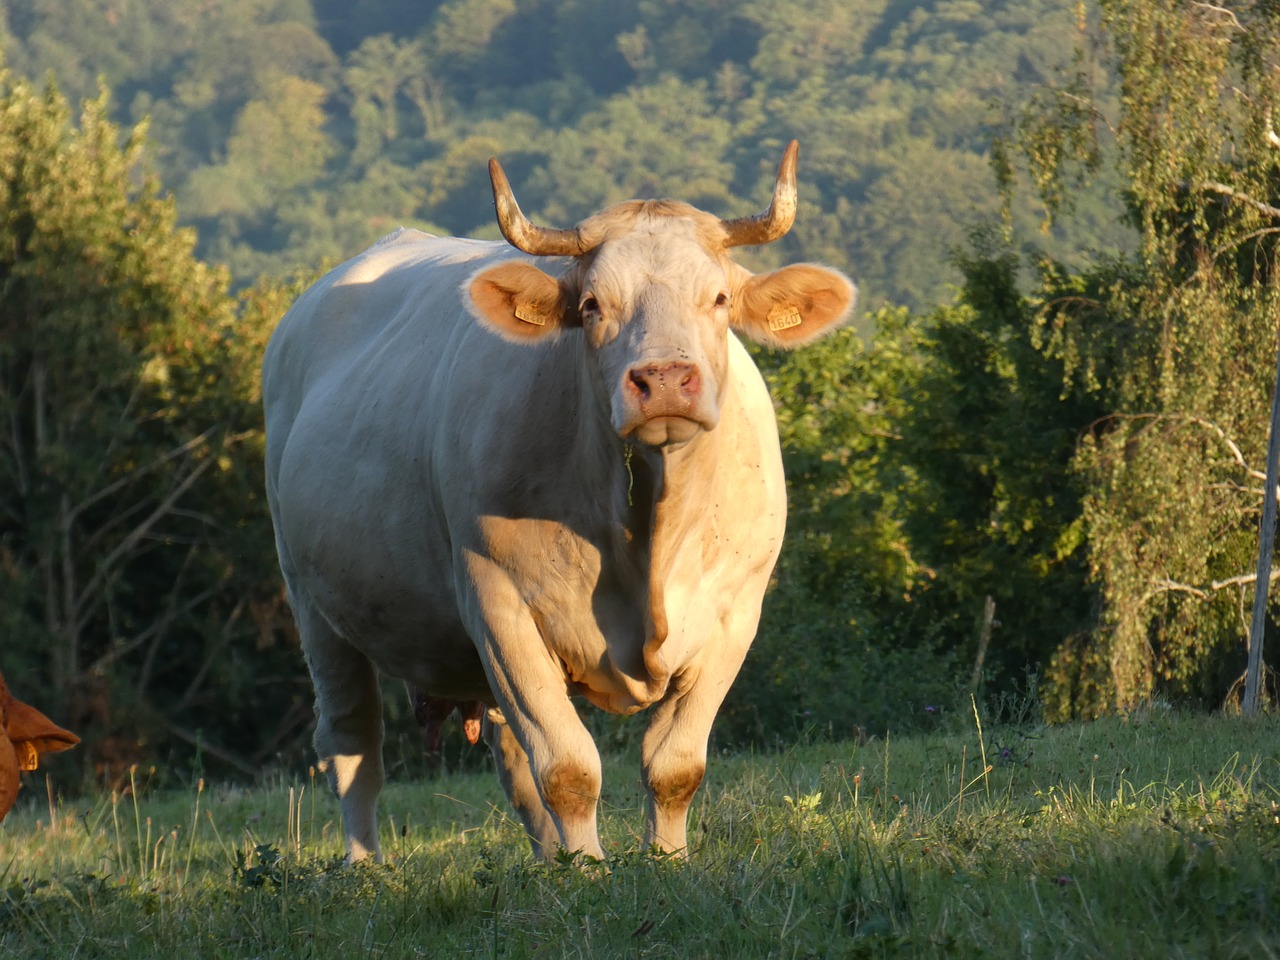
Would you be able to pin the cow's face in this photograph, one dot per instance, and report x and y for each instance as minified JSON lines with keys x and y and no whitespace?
{"x":655,"y":307}
{"x":655,"y":294}
{"x":654,"y":314}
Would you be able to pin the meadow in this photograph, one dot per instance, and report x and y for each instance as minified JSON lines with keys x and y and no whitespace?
{"x":1157,"y":835}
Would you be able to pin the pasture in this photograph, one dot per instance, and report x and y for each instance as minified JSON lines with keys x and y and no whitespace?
{"x":1154,"y":836}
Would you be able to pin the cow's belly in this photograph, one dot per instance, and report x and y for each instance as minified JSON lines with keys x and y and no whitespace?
{"x":379,"y":572}
{"x":408,"y":631}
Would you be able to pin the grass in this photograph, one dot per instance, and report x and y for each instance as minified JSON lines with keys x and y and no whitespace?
{"x":1156,"y":836}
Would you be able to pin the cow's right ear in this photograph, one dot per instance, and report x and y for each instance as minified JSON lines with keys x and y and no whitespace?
{"x":519,"y":302}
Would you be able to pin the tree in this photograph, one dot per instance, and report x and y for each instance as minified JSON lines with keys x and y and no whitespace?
{"x":1177,"y":342}
{"x":378,"y":72}
{"x":844,"y":647}
{"x":990,"y":438}
{"x":126,"y":442}
{"x":661,"y":140}
{"x":277,"y":144}
{"x":889,"y":100}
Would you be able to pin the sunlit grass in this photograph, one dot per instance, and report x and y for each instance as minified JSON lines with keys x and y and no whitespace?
{"x":1157,"y":836}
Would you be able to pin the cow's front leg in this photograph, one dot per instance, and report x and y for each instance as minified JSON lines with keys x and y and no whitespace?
{"x":545,"y":754}
{"x":674,"y":757}
{"x":532,"y":692}
{"x":674,"y":750}
{"x":517,"y":780}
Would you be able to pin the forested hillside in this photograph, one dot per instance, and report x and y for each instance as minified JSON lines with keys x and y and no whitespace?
{"x":295,"y":131}
{"x":1031,"y":473}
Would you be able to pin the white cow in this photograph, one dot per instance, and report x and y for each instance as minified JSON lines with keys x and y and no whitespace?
{"x":511,"y":486}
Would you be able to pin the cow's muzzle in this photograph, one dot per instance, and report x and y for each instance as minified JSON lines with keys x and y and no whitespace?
{"x":665,"y":403}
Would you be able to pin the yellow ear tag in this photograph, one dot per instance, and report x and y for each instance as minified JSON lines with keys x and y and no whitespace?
{"x":27,"y":755}
{"x":528,"y":315}
{"x":784,"y":316}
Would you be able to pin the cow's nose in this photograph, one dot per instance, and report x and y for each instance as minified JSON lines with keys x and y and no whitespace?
{"x":666,"y":389}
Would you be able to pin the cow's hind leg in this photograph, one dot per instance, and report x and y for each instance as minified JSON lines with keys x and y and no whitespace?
{"x":349,"y":732}
{"x":517,"y":780}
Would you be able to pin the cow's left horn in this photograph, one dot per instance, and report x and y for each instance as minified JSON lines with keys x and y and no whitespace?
{"x":775,"y":221}
{"x":520,"y":232}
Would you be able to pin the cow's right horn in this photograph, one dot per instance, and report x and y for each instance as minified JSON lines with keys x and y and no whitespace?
{"x":776,"y":220}
{"x":520,"y":232}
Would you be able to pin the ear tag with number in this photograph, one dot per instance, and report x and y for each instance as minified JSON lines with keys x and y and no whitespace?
{"x":784,"y":316}
{"x":27,"y":755}
{"x":529,"y":315}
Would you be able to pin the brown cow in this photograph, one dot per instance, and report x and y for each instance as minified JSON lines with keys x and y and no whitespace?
{"x":25,"y":733}
{"x":508,"y":487}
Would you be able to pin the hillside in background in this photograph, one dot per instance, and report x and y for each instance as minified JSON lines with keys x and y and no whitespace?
{"x":297,"y":131}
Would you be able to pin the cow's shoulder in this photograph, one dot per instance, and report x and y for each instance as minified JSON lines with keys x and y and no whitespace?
{"x":753,"y":412}
{"x":751,"y":461}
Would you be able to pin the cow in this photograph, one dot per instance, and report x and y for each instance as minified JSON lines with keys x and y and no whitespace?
{"x":25,"y":733}
{"x":515,"y":474}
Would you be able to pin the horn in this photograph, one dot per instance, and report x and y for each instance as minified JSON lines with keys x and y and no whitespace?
{"x":520,"y":233}
{"x":775,"y":221}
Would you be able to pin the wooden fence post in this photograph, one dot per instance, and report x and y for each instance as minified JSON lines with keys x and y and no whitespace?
{"x":984,"y":641}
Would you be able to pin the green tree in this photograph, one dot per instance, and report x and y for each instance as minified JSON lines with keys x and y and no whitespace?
{"x":277,"y":144}
{"x":798,"y":41}
{"x":660,"y":140}
{"x":844,"y":648}
{"x":1177,"y":343}
{"x":989,"y":439}
{"x":889,"y":101}
{"x":378,"y":73}
{"x":129,"y":579}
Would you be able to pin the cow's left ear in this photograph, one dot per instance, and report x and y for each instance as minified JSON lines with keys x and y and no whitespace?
{"x":518,"y":302}
{"x":32,"y":733}
{"x":794,"y":305}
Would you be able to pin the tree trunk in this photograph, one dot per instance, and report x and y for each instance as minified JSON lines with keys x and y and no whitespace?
{"x":1266,"y":548}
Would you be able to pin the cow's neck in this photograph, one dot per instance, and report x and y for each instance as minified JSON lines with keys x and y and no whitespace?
{"x":685,"y":476}
{"x":666,"y":493}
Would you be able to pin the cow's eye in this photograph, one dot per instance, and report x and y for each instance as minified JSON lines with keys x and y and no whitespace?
{"x":722,"y":299}
{"x":589,"y":305}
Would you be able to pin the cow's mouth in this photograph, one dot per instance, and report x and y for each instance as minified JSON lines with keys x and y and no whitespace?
{"x":665,"y":431}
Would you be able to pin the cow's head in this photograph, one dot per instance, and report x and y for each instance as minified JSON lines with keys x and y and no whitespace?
{"x":25,"y":733}
{"x":655,"y":292}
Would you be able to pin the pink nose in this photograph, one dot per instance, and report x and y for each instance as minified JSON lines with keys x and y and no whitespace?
{"x":665,"y":389}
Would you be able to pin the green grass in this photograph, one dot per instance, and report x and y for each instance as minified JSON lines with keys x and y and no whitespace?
{"x":1158,"y":836}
